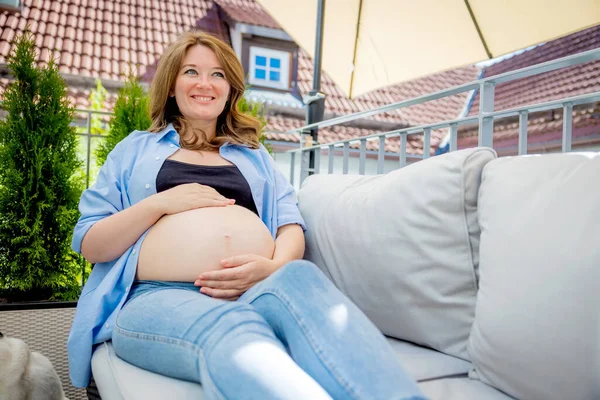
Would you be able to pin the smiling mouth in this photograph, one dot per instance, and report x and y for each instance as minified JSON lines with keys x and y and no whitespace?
{"x":203,"y":99}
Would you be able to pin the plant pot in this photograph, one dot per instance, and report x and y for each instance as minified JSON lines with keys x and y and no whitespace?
{"x":45,"y":327}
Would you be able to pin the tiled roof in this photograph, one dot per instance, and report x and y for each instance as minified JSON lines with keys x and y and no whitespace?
{"x":101,"y":38}
{"x":247,"y":12}
{"x":95,"y":38}
{"x":565,"y":82}
{"x":447,"y":108}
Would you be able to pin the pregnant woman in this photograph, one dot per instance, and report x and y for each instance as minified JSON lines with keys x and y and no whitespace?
{"x":197,"y":243}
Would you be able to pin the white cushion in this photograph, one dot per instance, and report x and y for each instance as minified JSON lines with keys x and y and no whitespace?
{"x":537,"y":328}
{"x":460,"y":389}
{"x":118,"y":380}
{"x":424,"y":364}
{"x":404,"y":245}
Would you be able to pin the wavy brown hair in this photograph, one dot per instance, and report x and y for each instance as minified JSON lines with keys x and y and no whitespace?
{"x":232,"y":125}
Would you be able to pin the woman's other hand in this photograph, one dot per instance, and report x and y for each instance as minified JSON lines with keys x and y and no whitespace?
{"x":240,"y":273}
{"x":190,"y":196}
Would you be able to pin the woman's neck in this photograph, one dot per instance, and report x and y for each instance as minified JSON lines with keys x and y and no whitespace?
{"x":208,"y":128}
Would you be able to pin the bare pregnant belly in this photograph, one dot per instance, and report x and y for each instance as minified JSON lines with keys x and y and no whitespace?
{"x":181,"y":246}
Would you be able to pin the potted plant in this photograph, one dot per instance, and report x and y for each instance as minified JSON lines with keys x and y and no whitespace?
{"x":39,"y":194}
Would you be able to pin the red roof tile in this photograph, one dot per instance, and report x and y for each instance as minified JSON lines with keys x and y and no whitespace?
{"x":565,"y":82}
{"x":247,"y":12}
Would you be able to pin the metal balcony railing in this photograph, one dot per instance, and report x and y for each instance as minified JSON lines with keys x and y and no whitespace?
{"x":485,"y":119}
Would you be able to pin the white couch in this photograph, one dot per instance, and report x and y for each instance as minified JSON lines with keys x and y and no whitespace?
{"x":483,"y":272}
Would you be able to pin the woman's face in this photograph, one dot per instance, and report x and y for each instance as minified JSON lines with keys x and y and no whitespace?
{"x":201,"y":88}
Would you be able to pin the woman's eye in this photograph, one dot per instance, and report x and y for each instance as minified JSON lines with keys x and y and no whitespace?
{"x":190,"y":72}
{"x":219,"y":74}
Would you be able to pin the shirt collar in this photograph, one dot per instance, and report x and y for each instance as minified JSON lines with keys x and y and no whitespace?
{"x":168,"y":132}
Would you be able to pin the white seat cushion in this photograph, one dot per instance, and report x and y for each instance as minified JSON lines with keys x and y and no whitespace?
{"x":425,"y":364}
{"x":119,"y":380}
{"x":460,"y":389}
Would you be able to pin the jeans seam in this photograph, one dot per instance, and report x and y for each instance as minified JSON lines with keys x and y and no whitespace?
{"x":317,"y":349}
{"x":158,"y":338}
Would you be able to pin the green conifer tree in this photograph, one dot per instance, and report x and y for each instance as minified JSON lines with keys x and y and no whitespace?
{"x":38,"y":191}
{"x":131,"y":113}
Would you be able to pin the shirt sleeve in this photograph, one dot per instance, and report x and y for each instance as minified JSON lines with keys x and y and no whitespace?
{"x":286,"y":200}
{"x":102,"y":199}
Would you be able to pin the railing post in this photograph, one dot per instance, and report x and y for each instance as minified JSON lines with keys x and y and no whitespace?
{"x":567,"y":127}
{"x":523,"y":119}
{"x":426,"y":143}
{"x":486,"y":105}
{"x":403,"y":140}
{"x":305,"y":155}
{"x":453,"y":137}
{"x":363,"y":156}
{"x":331,"y":159}
{"x":304,"y":163}
{"x":292,"y":168}
{"x":346,"y":157}
{"x":381,"y":155}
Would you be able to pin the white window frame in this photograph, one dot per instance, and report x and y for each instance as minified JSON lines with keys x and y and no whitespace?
{"x":284,"y":70}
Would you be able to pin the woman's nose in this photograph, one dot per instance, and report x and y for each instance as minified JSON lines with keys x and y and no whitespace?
{"x":203,"y":82}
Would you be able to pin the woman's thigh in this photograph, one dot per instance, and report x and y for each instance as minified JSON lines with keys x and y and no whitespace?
{"x":169,"y":330}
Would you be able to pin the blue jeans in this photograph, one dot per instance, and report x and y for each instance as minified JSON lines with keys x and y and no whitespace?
{"x":292,"y":336}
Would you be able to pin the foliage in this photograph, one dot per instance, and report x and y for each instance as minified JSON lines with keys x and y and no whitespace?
{"x":39,"y":191}
{"x":256,"y":110}
{"x":97,"y":99}
{"x":131,"y":112}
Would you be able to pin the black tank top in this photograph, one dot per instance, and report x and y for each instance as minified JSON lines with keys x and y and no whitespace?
{"x":225,"y":179}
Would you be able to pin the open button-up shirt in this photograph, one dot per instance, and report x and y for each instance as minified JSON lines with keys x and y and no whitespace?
{"x":127,"y":177}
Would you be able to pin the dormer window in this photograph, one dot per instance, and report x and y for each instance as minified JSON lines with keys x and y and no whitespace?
{"x":269,"y":68}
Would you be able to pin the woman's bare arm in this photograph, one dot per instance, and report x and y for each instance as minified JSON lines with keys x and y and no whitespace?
{"x":108,"y":238}
{"x":289,"y":244}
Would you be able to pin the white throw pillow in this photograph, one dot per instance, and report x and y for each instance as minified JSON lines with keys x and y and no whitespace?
{"x":537,"y":328}
{"x":404,"y":245}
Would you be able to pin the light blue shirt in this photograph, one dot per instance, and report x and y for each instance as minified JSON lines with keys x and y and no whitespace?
{"x":127,"y":177}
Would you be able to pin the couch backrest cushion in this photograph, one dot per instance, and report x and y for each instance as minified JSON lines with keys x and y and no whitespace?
{"x":537,"y":327}
{"x":404,"y":245}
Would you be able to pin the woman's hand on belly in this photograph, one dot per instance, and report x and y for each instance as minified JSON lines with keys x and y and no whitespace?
{"x":240,"y":273}
{"x":189,"y":196}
